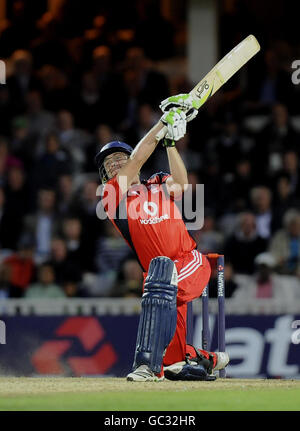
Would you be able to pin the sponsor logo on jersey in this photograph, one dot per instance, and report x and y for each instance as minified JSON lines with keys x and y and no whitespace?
{"x":155,"y":220}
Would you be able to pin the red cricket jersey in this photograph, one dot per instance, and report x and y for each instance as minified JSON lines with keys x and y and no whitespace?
{"x":148,"y":219}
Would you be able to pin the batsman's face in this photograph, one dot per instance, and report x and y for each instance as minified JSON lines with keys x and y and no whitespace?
{"x":114,"y":162}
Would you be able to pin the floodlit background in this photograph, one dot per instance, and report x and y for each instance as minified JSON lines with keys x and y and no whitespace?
{"x":82,"y":73}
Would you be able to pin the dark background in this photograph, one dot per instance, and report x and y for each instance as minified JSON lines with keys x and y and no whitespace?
{"x":86,"y":72}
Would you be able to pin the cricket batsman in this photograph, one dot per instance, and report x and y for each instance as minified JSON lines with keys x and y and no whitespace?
{"x":146,"y":215}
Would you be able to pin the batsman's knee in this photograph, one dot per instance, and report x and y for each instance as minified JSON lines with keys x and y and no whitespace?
{"x":161,"y":279}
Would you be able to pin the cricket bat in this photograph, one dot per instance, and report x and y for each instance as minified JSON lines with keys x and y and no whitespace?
{"x":221,"y":72}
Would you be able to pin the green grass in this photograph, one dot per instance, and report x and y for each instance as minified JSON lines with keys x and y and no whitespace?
{"x":208,"y":396}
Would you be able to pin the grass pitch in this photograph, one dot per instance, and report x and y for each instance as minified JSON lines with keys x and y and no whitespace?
{"x":105,"y":394}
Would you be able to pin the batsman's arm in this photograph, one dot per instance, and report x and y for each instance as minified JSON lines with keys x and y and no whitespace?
{"x":138,"y":157}
{"x":177,"y":183}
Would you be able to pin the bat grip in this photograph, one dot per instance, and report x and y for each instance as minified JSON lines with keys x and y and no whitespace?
{"x":161,"y":134}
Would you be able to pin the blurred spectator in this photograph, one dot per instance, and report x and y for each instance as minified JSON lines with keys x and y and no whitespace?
{"x":102,"y":63}
{"x":110,"y":252}
{"x":3,"y":159}
{"x":6,"y":110}
{"x":22,"y":145}
{"x":17,"y":201}
{"x":150,"y":15}
{"x":20,"y":23}
{"x":213,"y":187}
{"x":145,"y":120}
{"x":58,"y":258}
{"x":72,"y":234}
{"x":20,"y":268}
{"x":271,"y":83}
{"x":290,"y":167}
{"x":10,"y":225}
{"x":261,"y":204}
{"x":108,"y":83}
{"x":72,"y":139}
{"x":242,"y":247}
{"x":92,"y":227}
{"x":77,"y":48}
{"x":4,"y":281}
{"x":55,"y":88}
{"x":45,"y":286}
{"x":265,"y":283}
{"x":111,"y":249}
{"x":284,"y":199}
{"x":277,"y":136}
{"x":67,"y":266}
{"x":237,"y":188}
{"x":103,"y":134}
{"x":22,"y":80}
{"x":48,"y":48}
{"x":191,"y":159}
{"x":285,"y":245}
{"x":227,"y":223}
{"x":132,"y":95}
{"x":66,"y":200}
{"x":94,"y":35}
{"x":89,"y":198}
{"x":88,"y":107}
{"x":7,"y":160}
{"x":67,"y":263}
{"x":130,"y":280}
{"x":40,"y":121}
{"x":72,"y":288}
{"x":210,"y":239}
{"x":43,"y":224}
{"x":144,"y":85}
{"x":16,"y":191}
{"x":52,"y":163}
{"x":229,"y":146}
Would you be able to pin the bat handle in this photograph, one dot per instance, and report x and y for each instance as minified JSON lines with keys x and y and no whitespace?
{"x":161,"y":134}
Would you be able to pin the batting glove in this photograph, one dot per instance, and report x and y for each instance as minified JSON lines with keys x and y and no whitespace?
{"x":175,"y":120}
{"x":185,"y":102}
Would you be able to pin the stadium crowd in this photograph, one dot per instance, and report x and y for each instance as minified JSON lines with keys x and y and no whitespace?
{"x":74,"y":85}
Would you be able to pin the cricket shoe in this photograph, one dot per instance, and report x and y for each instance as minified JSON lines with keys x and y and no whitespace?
{"x":144,"y":374}
{"x":197,"y":368}
{"x":187,"y":371}
{"x":222,"y":361}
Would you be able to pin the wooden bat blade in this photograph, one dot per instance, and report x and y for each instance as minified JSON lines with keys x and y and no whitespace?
{"x":222,"y":72}
{"x":226,"y":68}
